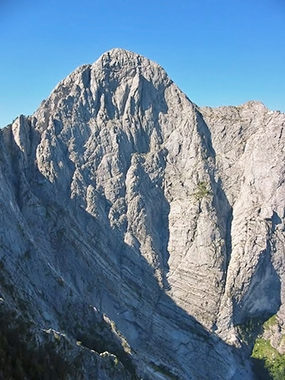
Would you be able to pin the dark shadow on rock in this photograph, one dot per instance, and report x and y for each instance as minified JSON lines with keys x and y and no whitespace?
{"x":259,"y":370}
{"x":275,"y":221}
{"x":263,"y":296}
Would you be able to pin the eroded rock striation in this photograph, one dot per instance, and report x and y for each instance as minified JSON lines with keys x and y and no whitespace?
{"x":142,"y":226}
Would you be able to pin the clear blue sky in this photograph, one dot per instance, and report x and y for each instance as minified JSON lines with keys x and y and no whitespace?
{"x":219,"y":52}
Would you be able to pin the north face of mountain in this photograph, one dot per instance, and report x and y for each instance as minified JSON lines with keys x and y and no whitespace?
{"x":142,"y":226}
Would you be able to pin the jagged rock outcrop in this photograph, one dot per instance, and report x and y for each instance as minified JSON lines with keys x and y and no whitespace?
{"x":134,"y":217}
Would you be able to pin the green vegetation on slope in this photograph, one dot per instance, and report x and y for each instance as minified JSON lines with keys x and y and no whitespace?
{"x":268,"y":363}
{"x":202,"y":191}
{"x":21,"y":357}
{"x":269,"y":359}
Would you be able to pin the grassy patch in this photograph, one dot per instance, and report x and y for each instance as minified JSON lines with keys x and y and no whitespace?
{"x":202,"y":190}
{"x":267,"y":362}
{"x":272,"y":321}
{"x":269,"y":359}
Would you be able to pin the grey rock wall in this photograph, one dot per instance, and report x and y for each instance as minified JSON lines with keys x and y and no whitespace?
{"x":129,"y":213}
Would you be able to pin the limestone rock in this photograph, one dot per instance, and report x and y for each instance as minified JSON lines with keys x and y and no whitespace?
{"x":131,"y":215}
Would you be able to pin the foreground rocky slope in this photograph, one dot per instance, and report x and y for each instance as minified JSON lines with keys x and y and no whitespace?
{"x":141,"y":226}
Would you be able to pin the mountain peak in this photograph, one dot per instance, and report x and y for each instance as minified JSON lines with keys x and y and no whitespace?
{"x":119,"y":83}
{"x":117,"y":53}
{"x":142,"y":227}
{"x":119,"y":58}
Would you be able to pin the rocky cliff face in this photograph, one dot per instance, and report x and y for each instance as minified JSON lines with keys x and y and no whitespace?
{"x":141,"y":225}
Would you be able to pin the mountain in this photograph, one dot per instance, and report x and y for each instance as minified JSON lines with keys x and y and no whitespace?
{"x":141,"y":237}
